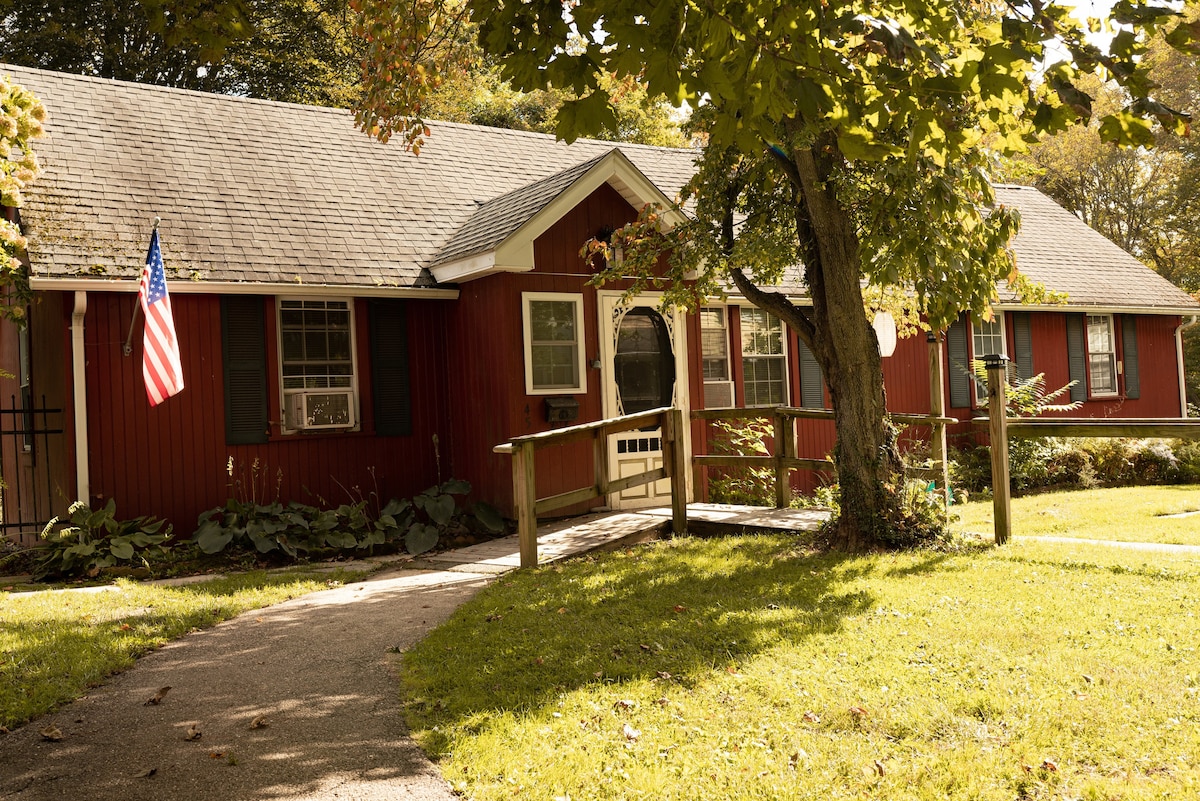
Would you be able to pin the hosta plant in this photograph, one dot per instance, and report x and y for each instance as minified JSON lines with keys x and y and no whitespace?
{"x":88,"y":540}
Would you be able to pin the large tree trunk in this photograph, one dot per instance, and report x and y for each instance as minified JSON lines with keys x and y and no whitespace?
{"x":845,"y":345}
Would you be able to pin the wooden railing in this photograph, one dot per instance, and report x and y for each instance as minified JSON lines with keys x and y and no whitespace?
{"x":1001,"y":428}
{"x":524,"y":449}
{"x":784,"y":460}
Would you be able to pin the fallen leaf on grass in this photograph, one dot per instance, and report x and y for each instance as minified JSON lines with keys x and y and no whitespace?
{"x":630,"y":732}
{"x":812,"y":717}
{"x":51,"y":733}
{"x":126,"y":627}
{"x":1050,"y":765}
{"x":858,"y":711}
{"x":623,"y":704}
{"x":879,"y":769}
{"x":680,"y":608}
{"x":664,"y":675}
{"x":156,"y":699}
{"x":562,"y":610}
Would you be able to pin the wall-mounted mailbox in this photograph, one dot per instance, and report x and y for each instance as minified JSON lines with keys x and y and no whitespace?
{"x":562,"y":410}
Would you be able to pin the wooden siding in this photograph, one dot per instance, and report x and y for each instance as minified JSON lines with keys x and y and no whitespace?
{"x":172,"y":461}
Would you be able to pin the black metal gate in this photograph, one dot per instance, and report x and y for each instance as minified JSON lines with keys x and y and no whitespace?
{"x":27,"y":434}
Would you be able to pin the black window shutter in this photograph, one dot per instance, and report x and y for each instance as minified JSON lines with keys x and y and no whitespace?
{"x":812,"y":387}
{"x":244,"y":358}
{"x":1023,"y":345}
{"x":1133,"y":384}
{"x":1076,"y":358}
{"x":960,"y":364}
{"x":389,"y":368}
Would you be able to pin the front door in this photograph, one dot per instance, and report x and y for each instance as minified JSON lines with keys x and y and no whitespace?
{"x":643,"y":353}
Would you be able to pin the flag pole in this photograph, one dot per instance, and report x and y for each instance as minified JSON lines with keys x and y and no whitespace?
{"x":127,"y":348}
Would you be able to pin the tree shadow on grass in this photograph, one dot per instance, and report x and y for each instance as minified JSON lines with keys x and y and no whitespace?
{"x":680,"y":609}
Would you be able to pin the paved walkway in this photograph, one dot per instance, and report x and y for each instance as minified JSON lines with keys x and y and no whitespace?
{"x":317,"y":669}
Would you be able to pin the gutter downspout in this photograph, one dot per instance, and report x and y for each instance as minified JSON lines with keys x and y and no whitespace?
{"x":1183,"y":406}
{"x":79,"y":388}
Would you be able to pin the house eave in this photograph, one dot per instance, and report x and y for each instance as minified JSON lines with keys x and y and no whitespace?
{"x":186,"y":287}
{"x":1099,"y":308}
{"x":476,"y":266}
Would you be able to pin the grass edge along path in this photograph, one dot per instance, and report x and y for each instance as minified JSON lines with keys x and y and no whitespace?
{"x":750,"y":668}
{"x":56,"y":644}
{"x":1123,"y":514}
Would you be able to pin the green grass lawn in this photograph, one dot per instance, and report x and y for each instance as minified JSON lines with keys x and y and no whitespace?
{"x":1130,"y":514}
{"x":750,"y":668}
{"x":54,"y":645}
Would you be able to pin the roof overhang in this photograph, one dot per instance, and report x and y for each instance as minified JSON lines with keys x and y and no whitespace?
{"x":514,"y":254}
{"x":244,"y":288}
{"x":1184,"y":311}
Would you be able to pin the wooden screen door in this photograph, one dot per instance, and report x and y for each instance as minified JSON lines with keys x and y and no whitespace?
{"x":643,"y":354}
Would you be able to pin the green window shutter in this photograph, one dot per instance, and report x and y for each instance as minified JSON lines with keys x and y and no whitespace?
{"x":1076,"y":358}
{"x":244,"y":359}
{"x":960,"y":364}
{"x":812,"y":386}
{"x":1133,"y":384}
{"x":1023,"y":345}
{"x":389,"y":368}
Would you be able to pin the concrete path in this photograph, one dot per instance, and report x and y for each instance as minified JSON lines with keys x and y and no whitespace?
{"x":317,"y":669}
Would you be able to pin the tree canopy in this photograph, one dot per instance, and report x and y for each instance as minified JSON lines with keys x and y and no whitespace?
{"x":291,"y":50}
{"x":851,"y":138}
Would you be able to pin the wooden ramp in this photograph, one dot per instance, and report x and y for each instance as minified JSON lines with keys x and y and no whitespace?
{"x":603,"y":530}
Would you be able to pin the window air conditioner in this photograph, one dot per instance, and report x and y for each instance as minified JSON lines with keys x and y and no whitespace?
{"x":718,"y":394}
{"x":314,"y":411}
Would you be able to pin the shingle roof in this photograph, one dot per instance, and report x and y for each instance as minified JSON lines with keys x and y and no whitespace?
{"x":1060,"y":251}
{"x":1057,"y":249}
{"x":501,"y":216}
{"x":252,"y":190}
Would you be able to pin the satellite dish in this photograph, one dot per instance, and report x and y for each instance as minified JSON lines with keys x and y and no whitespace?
{"x":885,"y":330}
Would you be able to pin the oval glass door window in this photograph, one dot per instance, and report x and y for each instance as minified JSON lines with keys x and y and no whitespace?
{"x":644,"y":364}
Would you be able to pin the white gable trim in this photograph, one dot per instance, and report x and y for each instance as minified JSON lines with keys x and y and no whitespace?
{"x":187,"y":287}
{"x":515,"y":253}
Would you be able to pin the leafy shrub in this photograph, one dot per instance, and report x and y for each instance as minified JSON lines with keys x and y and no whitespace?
{"x":752,"y":486}
{"x":297,"y":528}
{"x":90,"y":540}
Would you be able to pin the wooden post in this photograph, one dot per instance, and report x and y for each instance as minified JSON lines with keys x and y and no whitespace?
{"x":600,"y":463}
{"x":525,"y":497}
{"x":998,"y":434}
{"x":783,"y":439}
{"x":937,"y":408}
{"x":675,"y":460}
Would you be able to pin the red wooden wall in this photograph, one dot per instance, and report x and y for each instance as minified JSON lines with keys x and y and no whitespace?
{"x":171,"y":461}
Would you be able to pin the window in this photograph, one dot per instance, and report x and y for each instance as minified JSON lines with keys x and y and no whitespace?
{"x":987,"y":339}
{"x":316,"y":359}
{"x":1102,"y":354}
{"x":553,"y":343}
{"x":764,"y":363}
{"x":714,"y":353}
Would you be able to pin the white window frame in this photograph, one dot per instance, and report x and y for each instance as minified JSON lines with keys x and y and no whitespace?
{"x":1114,"y":365}
{"x":978,"y":388}
{"x":356,"y":406}
{"x":527,"y":300}
{"x":724,"y":312}
{"x":782,"y":356}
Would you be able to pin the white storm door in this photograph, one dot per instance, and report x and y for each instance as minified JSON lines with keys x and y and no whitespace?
{"x":644,"y":366}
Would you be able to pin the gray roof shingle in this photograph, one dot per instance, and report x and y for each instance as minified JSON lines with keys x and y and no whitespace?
{"x":253,"y":190}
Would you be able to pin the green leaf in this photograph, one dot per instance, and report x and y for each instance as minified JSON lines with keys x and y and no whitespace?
{"x":120,"y":547}
{"x":211,"y":537}
{"x":456,"y":486}
{"x":420,"y":538}
{"x":488,"y":517}
{"x":440,"y":508}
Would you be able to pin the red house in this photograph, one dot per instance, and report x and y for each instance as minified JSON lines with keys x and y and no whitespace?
{"x":355,"y":319}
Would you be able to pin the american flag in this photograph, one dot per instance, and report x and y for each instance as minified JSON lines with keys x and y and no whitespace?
{"x":160,"y":350}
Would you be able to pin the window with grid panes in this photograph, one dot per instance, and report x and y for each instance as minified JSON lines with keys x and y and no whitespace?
{"x":553,"y":343}
{"x":987,"y":339}
{"x":316,"y":348}
{"x":764,"y":360}
{"x":1102,"y":354}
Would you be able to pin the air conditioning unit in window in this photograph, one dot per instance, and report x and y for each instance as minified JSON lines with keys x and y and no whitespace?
{"x":718,"y":394}
{"x":318,"y":410}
